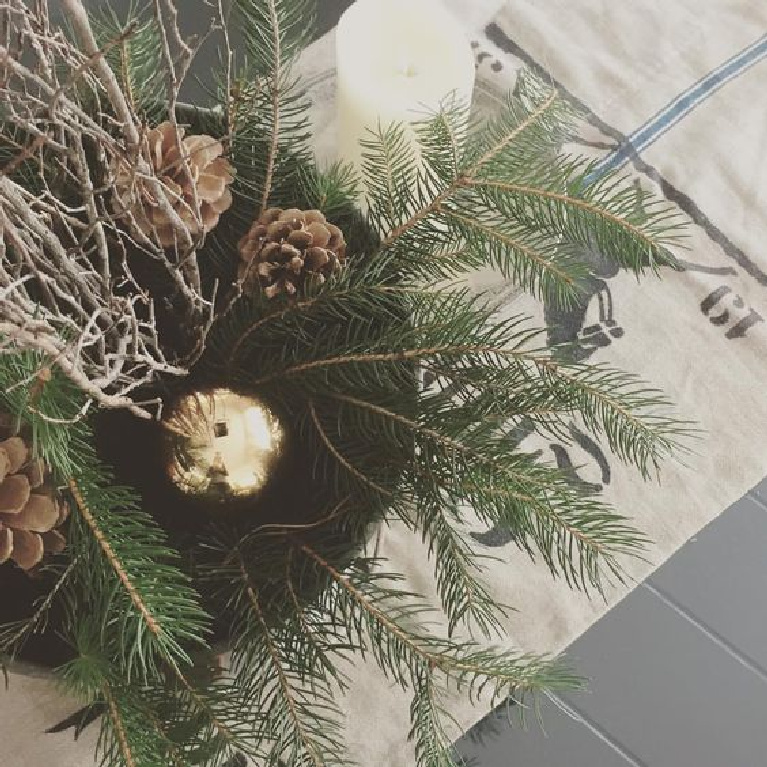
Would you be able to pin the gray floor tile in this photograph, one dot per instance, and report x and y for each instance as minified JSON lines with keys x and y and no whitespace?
{"x":668,"y":694}
{"x":565,"y":743}
{"x":760,"y":491}
{"x":720,"y":576}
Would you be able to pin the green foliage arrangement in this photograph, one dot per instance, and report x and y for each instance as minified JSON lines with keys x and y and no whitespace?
{"x":140,"y":604}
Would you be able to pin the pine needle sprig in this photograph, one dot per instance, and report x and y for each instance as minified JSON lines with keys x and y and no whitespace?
{"x":116,"y":545}
{"x":137,"y":59}
{"x":499,"y":193}
{"x":368,"y":603}
{"x":291,"y":693}
{"x":457,"y":567}
{"x":433,"y":746}
{"x":271,"y":144}
{"x":155,"y":605}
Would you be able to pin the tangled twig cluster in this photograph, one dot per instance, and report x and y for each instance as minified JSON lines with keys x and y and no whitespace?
{"x":68,"y":282}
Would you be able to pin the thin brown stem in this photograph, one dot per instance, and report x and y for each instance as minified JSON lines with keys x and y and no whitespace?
{"x":113,"y":560}
{"x":464,"y":179}
{"x":279,"y":669}
{"x":337,"y":455}
{"x":276,"y":76}
{"x":119,"y":726}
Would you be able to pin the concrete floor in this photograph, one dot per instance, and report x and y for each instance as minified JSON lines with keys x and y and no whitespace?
{"x":678,"y":671}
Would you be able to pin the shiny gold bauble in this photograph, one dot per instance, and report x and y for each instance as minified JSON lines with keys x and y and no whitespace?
{"x":224,"y":445}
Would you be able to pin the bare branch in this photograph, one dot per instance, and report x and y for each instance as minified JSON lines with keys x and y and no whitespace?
{"x":73,"y":261}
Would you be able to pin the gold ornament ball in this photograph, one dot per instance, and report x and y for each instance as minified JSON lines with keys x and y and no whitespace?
{"x":224,"y":445}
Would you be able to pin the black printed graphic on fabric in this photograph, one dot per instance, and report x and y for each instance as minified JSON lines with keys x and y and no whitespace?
{"x":567,"y":324}
{"x":498,"y":537}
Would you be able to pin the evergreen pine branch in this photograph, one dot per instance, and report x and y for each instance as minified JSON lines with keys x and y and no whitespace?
{"x":536,"y":503}
{"x":119,"y":738}
{"x":401,"y":651}
{"x":450,"y":333}
{"x":433,"y":746}
{"x":534,"y":261}
{"x":311,"y":635}
{"x":508,"y":199}
{"x":299,"y":719}
{"x":457,"y":568}
{"x":155,"y":605}
{"x":385,"y":157}
{"x":168,"y":716}
{"x":343,"y":462}
{"x":14,"y":635}
{"x":269,"y":145}
{"x":137,"y":59}
{"x":151,"y":601}
{"x":331,"y":190}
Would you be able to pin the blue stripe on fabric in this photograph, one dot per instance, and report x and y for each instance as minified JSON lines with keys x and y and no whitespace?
{"x":681,"y":106}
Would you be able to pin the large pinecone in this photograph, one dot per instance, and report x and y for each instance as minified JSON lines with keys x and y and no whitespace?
{"x":30,"y":507}
{"x":205,"y":184}
{"x":286,"y":248}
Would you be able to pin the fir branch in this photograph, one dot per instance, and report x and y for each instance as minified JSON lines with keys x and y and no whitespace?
{"x":296,"y":720}
{"x":14,"y":635}
{"x":532,"y":501}
{"x":326,"y":300}
{"x":530,"y":264}
{"x":315,"y":641}
{"x":617,"y":404}
{"x":114,"y":562}
{"x":356,"y":473}
{"x":433,"y":746}
{"x":119,"y":727}
{"x":463,"y":179}
{"x":270,"y":135}
{"x":285,"y":688}
{"x":568,"y":201}
{"x":158,"y":611}
{"x":506,"y":198}
{"x":275,"y":77}
{"x":457,"y":568}
{"x":201,"y":703}
{"x":469,"y":667}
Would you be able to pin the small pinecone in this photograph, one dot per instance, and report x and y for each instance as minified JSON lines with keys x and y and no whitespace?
{"x":30,"y":507}
{"x":286,"y":248}
{"x":206,"y":183}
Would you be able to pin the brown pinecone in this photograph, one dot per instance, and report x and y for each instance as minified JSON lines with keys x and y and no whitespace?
{"x":285,"y":248}
{"x":30,"y":507}
{"x":206,"y":183}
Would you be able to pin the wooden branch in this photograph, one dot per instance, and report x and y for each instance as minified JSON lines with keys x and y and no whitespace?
{"x":276,"y":75}
{"x":78,"y":17}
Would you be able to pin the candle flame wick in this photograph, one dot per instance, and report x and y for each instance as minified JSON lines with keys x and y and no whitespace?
{"x":406,"y":68}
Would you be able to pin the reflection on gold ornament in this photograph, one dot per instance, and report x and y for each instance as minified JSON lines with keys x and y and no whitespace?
{"x":224,"y":444}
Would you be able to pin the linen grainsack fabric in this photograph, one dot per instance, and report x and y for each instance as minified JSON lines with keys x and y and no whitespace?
{"x":673,"y":95}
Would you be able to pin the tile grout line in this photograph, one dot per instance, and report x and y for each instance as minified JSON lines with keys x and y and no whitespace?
{"x":569,"y":710}
{"x":710,"y":634}
{"x":752,"y":496}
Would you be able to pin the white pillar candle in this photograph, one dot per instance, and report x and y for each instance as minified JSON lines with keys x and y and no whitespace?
{"x":397,"y":61}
